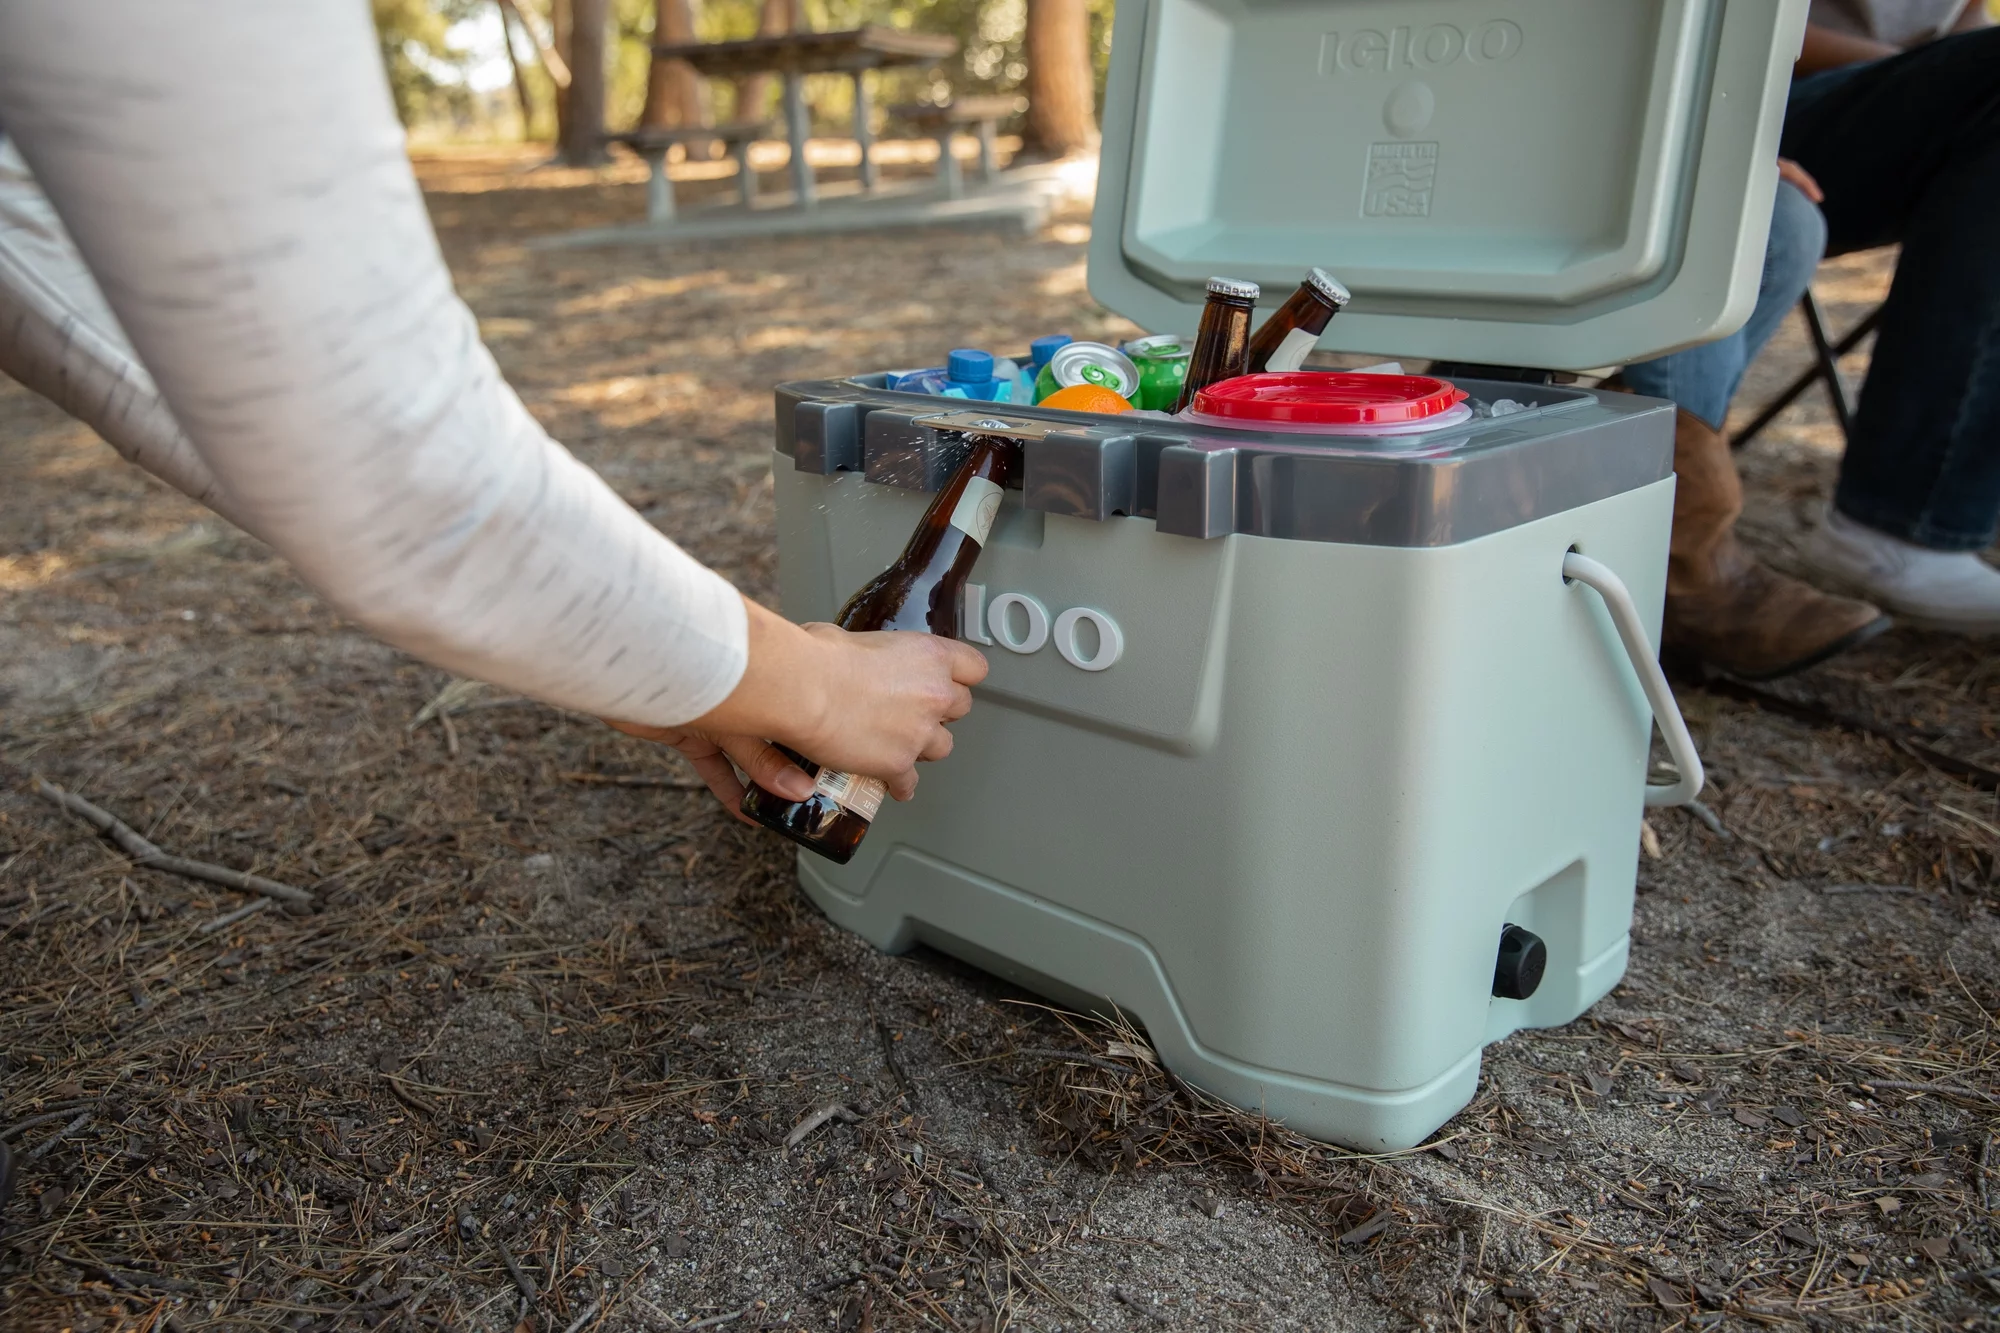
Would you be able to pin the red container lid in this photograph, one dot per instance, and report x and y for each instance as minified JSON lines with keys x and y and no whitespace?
{"x":1322,"y":398}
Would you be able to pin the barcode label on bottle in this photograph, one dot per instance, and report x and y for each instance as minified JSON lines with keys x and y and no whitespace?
{"x":861,"y":795}
{"x":977,"y":508}
{"x":1292,"y":352}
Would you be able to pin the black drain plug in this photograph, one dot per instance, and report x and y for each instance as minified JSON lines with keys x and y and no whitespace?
{"x":1523,"y":959}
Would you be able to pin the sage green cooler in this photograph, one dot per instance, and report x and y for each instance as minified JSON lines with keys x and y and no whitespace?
{"x":1304,"y":749}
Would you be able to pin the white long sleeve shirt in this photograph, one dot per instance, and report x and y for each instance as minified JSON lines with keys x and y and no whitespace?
{"x":255,"y":310}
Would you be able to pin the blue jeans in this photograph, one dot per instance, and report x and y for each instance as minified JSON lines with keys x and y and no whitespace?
{"x":1702,"y":379}
{"x":1908,"y":152}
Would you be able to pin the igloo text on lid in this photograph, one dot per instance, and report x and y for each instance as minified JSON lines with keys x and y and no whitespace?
{"x":1428,"y":46}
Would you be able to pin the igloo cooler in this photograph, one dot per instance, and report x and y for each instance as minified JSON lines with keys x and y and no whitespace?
{"x":1322,"y":753}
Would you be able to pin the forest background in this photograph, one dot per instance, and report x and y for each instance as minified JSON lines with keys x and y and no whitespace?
{"x":456,"y":78}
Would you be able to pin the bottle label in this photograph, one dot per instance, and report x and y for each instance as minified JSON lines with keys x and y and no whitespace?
{"x":977,"y":508}
{"x":861,"y":795}
{"x":1292,"y":352}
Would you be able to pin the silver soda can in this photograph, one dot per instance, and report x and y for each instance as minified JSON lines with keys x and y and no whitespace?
{"x":1091,"y":363}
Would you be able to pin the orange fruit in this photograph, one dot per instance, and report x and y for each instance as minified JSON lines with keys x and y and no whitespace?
{"x":1086,"y":398}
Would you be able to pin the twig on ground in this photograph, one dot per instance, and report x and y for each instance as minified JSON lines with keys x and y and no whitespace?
{"x":1985,"y":1181}
{"x":1709,"y":818}
{"x":888,"y":1040}
{"x":124,"y":1280}
{"x":1943,"y":1089}
{"x":457,"y":693}
{"x":635,"y":780}
{"x":589,"y":1312}
{"x":715,"y":1319}
{"x":49,"y":1117}
{"x":1832,"y":889}
{"x":831,"y":1111}
{"x":1075,"y":1057}
{"x":522,"y":1282}
{"x":151,"y":857}
{"x":411,"y":1098}
{"x":47,"y":1145}
{"x":1913,"y":743}
{"x":228,"y":919}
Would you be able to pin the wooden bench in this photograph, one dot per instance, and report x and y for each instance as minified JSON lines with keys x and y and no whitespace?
{"x":943,"y":121}
{"x":651,"y":145}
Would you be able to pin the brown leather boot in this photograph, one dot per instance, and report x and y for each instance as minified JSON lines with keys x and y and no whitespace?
{"x":1725,"y":606}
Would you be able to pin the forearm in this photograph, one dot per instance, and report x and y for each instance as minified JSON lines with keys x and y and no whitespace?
{"x":1829,"y":48}
{"x":271,"y":260}
{"x":58,"y":338}
{"x":784,"y":693}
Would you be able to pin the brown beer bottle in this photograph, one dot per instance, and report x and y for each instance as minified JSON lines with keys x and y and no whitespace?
{"x":1286,"y":337}
{"x":1222,"y":342}
{"x":920,"y":591}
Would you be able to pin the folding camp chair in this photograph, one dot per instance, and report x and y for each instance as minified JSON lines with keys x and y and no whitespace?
{"x":1825,"y":369}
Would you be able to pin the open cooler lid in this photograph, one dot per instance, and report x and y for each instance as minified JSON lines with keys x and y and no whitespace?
{"x":1553,"y":183}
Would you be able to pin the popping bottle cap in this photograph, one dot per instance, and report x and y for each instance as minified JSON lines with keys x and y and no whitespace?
{"x":968,"y":365}
{"x":1332,"y":288}
{"x":1234,"y":287}
{"x":1041,"y":349}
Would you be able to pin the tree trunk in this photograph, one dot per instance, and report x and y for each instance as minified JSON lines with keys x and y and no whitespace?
{"x":1061,"y":89}
{"x":583,"y":128}
{"x":507,"y":18}
{"x":673,"y":93}
{"x":753,"y":94}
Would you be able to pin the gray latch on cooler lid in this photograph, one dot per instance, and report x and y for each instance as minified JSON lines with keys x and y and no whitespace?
{"x":1197,"y":492}
{"x":826,"y":437}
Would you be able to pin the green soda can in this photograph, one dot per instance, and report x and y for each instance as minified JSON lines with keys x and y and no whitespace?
{"x":1088,"y":363}
{"x":1163,"y":365}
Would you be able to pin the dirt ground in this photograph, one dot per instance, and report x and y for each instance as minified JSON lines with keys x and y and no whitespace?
{"x":534,"y":1060}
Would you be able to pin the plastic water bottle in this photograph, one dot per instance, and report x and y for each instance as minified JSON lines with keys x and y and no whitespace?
{"x":1039,"y":352}
{"x":1006,"y":371}
{"x":966,"y":373}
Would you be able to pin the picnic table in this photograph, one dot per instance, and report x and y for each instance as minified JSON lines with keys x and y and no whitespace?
{"x":943,"y":120}
{"x":793,"y":55}
{"x":651,"y":145}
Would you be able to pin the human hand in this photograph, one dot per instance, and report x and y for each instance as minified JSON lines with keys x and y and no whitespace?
{"x":1789,"y":170}
{"x":889,"y":695}
{"x":715,"y":758}
{"x":870,"y":703}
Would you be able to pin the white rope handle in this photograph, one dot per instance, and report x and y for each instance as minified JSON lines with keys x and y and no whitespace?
{"x":1667,"y":713}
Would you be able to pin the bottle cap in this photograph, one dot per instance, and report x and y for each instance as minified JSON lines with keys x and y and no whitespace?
{"x":1242,"y":291}
{"x":969,"y":365}
{"x":1041,"y":349}
{"x":1332,"y":288}
{"x":1319,"y":398}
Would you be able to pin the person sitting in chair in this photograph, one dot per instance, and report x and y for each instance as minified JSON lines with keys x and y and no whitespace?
{"x":1892,"y":132}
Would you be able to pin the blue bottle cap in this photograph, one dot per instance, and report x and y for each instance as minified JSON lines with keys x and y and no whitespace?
{"x":1041,"y":349}
{"x":968,"y":365}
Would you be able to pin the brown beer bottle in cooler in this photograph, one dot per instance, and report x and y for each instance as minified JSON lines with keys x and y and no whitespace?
{"x":1285,"y":338}
{"x":1222,"y":342}
{"x":921,"y":591}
